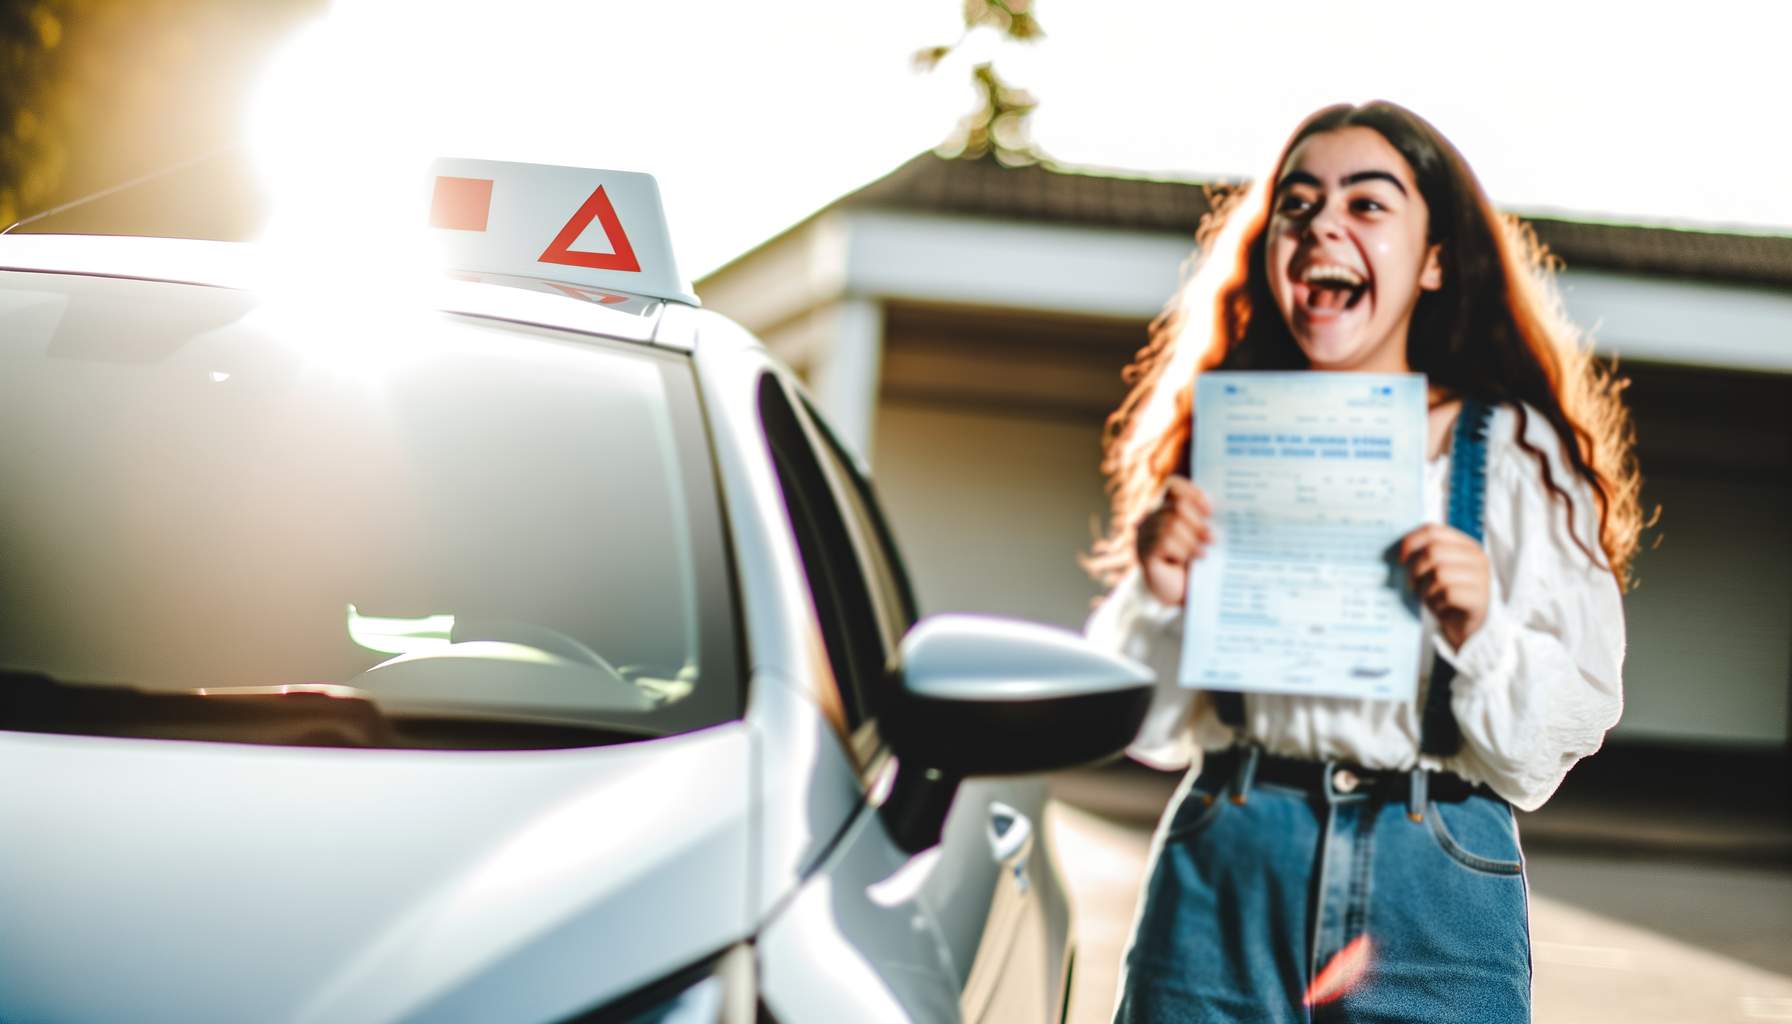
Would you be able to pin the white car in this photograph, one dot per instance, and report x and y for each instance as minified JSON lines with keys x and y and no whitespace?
{"x":527,"y":651}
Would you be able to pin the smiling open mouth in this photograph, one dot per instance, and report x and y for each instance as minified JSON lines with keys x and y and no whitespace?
{"x":1331,"y":288}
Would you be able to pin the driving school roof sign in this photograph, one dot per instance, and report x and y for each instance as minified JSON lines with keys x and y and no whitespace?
{"x":581,"y":226}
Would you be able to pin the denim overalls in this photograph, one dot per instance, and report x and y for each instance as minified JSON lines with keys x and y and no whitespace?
{"x":1291,"y":891}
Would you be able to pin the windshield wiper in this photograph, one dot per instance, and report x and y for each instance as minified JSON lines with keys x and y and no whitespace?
{"x":288,"y":716}
{"x":34,"y":702}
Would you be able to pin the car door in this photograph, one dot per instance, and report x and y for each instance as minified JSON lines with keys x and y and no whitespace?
{"x":988,"y":884}
{"x":860,"y":907}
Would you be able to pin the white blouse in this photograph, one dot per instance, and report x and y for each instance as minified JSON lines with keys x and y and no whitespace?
{"x":1537,"y":685}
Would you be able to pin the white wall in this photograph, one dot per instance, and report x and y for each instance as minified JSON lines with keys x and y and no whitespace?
{"x":1710,"y":623}
{"x":991,"y":510}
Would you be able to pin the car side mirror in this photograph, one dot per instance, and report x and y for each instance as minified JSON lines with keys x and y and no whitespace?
{"x":989,"y":696}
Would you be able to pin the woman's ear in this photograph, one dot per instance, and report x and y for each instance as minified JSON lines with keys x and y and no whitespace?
{"x":1431,"y":276}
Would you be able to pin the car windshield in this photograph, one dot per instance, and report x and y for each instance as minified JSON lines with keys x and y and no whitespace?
{"x":228,"y":501}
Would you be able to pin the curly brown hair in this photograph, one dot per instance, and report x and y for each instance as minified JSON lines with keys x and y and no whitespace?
{"x":1494,"y":331}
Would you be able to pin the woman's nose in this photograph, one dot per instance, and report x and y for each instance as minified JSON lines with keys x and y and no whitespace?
{"x":1326,"y":222}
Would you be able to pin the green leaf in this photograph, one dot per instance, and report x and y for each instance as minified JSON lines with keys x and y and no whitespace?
{"x":928,"y":57}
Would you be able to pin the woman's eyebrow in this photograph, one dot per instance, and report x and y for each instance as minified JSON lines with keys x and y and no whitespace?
{"x":1305,"y":178}
{"x":1352,"y":179}
{"x":1296,"y":178}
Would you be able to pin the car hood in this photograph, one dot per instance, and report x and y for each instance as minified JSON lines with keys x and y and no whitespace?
{"x":150,"y":880}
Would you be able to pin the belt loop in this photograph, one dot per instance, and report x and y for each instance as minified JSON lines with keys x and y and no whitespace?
{"x":1247,"y":773}
{"x":1416,"y":800}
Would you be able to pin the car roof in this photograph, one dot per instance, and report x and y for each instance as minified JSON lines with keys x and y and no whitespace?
{"x":249,"y":266}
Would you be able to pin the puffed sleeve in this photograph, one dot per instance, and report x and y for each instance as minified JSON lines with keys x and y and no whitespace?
{"x":1538,"y":683}
{"x":1132,"y":622}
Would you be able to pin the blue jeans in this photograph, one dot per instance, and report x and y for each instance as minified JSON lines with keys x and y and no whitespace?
{"x":1306,"y":907}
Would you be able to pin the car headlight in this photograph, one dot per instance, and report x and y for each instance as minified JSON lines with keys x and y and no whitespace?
{"x":720,"y":990}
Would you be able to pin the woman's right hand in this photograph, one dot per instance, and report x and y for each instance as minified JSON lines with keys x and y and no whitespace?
{"x":1172,"y":536}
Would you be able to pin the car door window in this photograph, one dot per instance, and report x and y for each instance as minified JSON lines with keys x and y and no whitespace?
{"x":850,"y":620}
{"x":890,"y":582}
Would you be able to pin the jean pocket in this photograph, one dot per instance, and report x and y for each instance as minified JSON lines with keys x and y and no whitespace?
{"x":1477,"y":833}
{"x":1196,"y":812}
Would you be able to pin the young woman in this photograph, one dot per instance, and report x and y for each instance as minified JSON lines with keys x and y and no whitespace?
{"x":1357,"y":860}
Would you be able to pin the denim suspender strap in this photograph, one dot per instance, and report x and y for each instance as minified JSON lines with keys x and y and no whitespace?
{"x":1439,"y":734}
{"x":1246,"y":774}
{"x":1229,"y":706}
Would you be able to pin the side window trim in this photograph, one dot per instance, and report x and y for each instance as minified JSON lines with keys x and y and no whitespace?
{"x":864,"y":499}
{"x":833,"y":566}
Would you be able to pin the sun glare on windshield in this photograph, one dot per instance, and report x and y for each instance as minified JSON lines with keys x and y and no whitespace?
{"x":386,"y":635}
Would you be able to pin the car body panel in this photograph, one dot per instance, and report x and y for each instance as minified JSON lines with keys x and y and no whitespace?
{"x":856,"y":942}
{"x":994,"y":843}
{"x":230,"y":882}
{"x":962,"y":878}
{"x":808,"y":786}
{"x":806,"y":790}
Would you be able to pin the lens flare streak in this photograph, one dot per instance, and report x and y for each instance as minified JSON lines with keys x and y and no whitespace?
{"x":1341,"y":974}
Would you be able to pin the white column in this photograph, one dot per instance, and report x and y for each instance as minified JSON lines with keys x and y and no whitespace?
{"x":845,"y":375}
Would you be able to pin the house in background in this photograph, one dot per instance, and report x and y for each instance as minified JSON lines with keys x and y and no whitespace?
{"x":964,"y":325}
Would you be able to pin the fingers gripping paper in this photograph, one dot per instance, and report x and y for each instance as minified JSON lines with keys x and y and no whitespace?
{"x":1314,"y":479}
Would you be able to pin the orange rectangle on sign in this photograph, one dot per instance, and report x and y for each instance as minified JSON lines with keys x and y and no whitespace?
{"x":461,"y":204}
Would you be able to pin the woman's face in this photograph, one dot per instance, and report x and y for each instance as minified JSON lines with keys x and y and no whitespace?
{"x":1347,"y":252}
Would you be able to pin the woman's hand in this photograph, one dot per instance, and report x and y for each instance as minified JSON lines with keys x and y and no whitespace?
{"x":1449,"y":573}
{"x":1172,"y":536}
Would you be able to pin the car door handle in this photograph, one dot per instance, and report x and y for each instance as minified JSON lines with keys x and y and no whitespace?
{"x":1010,"y":834}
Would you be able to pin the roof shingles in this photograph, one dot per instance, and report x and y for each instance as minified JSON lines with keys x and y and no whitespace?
{"x":1037,"y":193}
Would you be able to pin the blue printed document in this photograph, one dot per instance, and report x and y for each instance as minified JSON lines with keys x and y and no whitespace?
{"x":1314,"y":478}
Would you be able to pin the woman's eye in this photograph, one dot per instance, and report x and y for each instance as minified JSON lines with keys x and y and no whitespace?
{"x":1365,"y":205}
{"x":1294,"y":206}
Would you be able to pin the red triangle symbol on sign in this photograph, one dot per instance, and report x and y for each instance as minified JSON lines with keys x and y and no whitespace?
{"x":596,"y":208}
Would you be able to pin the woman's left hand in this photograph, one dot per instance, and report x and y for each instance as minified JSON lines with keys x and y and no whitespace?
{"x":1449,"y":573}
